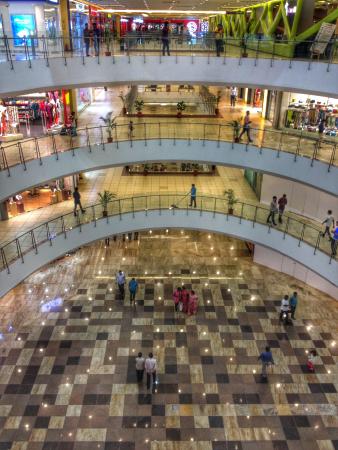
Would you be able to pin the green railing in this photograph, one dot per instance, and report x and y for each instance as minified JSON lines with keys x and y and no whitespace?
{"x":46,"y":232}
{"x":96,"y":137}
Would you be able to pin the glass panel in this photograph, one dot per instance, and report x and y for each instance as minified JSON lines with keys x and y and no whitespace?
{"x":295,"y":227}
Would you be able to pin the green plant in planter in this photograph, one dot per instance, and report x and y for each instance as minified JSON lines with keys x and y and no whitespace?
{"x":180,"y":107}
{"x":109,"y":122}
{"x":236,"y":124}
{"x":139,"y":106}
{"x":216,"y":99}
{"x":104,"y":198}
{"x":232,"y":200}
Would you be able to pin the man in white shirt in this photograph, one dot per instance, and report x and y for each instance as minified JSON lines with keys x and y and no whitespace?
{"x":329,"y":222}
{"x":284,"y":308}
{"x":121,"y":281}
{"x":139,"y":363}
{"x":233,"y":95}
{"x":150,"y":367}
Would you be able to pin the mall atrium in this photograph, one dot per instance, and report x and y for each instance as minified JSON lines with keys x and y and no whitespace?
{"x":168,"y":225}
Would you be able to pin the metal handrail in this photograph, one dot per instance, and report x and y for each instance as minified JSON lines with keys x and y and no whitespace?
{"x":47,"y":231}
{"x":43,"y":47}
{"x":313,"y":147}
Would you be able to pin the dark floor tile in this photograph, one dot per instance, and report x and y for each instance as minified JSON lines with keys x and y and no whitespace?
{"x":207,"y":360}
{"x":56,"y":370}
{"x":280,"y":445}
{"x":216,"y":422}
{"x":102,"y":336}
{"x":158,"y":410}
{"x":31,"y":410}
{"x":185,"y":399}
{"x":173,"y":434}
{"x":301,"y":421}
{"x":144,"y":399}
{"x":171,"y":368}
{"x":65,"y":344}
{"x":42,"y":422}
{"x":73,"y":360}
{"x":222,"y":378}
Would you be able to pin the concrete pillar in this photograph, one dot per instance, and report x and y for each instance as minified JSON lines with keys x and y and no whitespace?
{"x":306,"y":18}
{"x":65,"y":23}
{"x":73,"y":101}
{"x":282,"y":101}
{"x":3,"y":211}
{"x":118,"y":26}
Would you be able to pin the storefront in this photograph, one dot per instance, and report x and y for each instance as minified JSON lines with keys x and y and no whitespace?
{"x":51,"y":193}
{"x":23,"y":18}
{"x":310,"y":114}
{"x":83,"y":98}
{"x":31,"y":115}
{"x":171,"y":168}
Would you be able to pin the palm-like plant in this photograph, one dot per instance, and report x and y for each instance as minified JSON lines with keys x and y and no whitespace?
{"x":139,"y":105}
{"x":181,"y":106}
{"x":104,"y":198}
{"x":109,"y":122}
{"x":232,"y":200}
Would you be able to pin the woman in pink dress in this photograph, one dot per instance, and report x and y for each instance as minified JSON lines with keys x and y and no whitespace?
{"x":177,"y":297}
{"x":193,"y":302}
{"x":185,"y":299}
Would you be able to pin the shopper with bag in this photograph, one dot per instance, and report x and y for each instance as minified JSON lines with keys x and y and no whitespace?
{"x":193,"y":303}
{"x":177,"y":297}
{"x":185,"y":299}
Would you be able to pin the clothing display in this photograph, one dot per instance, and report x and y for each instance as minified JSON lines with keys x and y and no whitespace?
{"x":313,"y":116}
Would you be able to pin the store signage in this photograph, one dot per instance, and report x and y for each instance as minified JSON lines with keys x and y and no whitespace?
{"x":80,"y":7}
{"x":323,"y":37}
{"x":23,"y":26}
{"x":290,"y":8}
{"x":192,"y":28}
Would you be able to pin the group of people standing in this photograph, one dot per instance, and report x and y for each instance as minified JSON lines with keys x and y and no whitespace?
{"x":95,"y":35}
{"x":185,"y":301}
{"x":148,"y":365}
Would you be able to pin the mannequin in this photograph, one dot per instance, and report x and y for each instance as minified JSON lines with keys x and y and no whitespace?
{"x":3,"y":119}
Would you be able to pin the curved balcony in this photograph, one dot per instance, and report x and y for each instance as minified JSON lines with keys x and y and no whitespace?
{"x":37,"y":247}
{"x":46,"y":66}
{"x":32,"y":162}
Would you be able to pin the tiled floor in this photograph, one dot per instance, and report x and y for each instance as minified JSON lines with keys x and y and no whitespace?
{"x":67,"y":378}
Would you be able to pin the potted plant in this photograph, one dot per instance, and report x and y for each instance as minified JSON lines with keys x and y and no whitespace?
{"x":232,"y":200}
{"x":124,"y":102}
{"x":110,"y":124}
{"x":139,"y":106}
{"x":236,"y":124}
{"x":104,"y":199}
{"x":107,"y":40}
{"x":180,"y":107}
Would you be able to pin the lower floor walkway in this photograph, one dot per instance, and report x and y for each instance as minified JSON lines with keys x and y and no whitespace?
{"x":67,"y":375}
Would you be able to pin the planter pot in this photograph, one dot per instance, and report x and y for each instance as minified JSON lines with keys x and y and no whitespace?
{"x":216,"y":111}
{"x":105,"y":213}
{"x":124,"y":110}
{"x":237,"y":140}
{"x":231,"y":211}
{"x":110,"y":139}
{"x":145,"y":172}
{"x":139,"y":114}
{"x":107,"y":53}
{"x":179,"y":114}
{"x":195,"y":173}
{"x":244,"y":55}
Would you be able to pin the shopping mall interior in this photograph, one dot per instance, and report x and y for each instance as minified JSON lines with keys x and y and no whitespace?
{"x":168,"y":185}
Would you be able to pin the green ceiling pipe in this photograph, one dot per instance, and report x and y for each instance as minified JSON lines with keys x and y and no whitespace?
{"x":287,"y":30}
{"x":275,"y":23}
{"x":296,"y":19}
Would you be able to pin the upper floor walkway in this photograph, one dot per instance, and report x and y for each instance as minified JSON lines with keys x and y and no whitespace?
{"x":41,"y":64}
{"x":32,"y":162}
{"x":295,"y":238}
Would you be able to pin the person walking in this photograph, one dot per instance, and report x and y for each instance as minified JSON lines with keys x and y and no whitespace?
{"x":293,"y":304}
{"x":86,"y":38}
{"x":96,"y":38}
{"x":130,"y":129}
{"x":185,"y":299}
{"x":77,"y":201}
{"x":165,"y":39}
{"x":233,"y":96}
{"x":193,"y":303}
{"x":219,"y":33}
{"x":284,"y":309}
{"x":329,"y":222}
{"x":150,"y":367}
{"x":282,"y":202}
{"x":273,"y":211}
{"x":177,"y":297}
{"x":246,"y":127}
{"x":193,"y":192}
{"x":267,"y":360}
{"x":133,"y":286}
{"x":139,"y":364}
{"x":121,"y":280}
{"x":334,"y":240}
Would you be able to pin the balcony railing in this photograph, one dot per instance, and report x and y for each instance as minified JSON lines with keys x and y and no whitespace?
{"x":95,"y":138}
{"x":65,"y":47}
{"x":18,"y":248}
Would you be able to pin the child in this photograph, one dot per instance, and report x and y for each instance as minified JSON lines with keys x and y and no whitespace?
{"x":193,"y":302}
{"x":310,"y":360}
